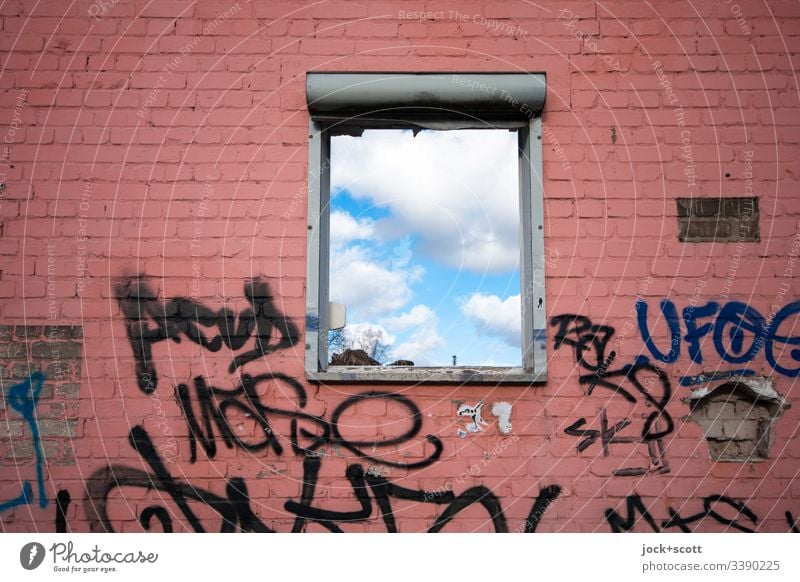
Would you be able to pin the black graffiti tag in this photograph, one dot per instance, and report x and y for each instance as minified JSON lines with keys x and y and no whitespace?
{"x":234,"y":509}
{"x":720,"y":508}
{"x":639,"y":381}
{"x":150,"y":321}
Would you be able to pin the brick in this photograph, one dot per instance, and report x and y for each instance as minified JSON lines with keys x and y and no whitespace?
{"x":58,"y":428}
{"x":11,"y":428}
{"x":13,"y":351}
{"x":7,"y":289}
{"x":53,"y":332}
{"x":56,"y":350}
{"x":57,"y":370}
{"x":67,"y":458}
{"x":741,"y":429}
{"x":234,"y":112}
{"x":28,"y":331}
{"x":23,"y":370}
{"x":51,"y":450}
{"x":721,"y":410}
{"x":52,"y":410}
{"x":20,"y":450}
{"x":69,"y":390}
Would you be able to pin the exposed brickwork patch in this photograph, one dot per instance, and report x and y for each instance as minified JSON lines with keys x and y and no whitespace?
{"x":737,"y":422}
{"x":54,"y":350}
{"x":718,"y":219}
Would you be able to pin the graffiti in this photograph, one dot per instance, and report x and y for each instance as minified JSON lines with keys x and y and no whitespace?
{"x":711,"y":504}
{"x":63,"y":500}
{"x":149,"y":321}
{"x":633,"y":505}
{"x":578,"y":332}
{"x":670,"y":313}
{"x":235,"y":512}
{"x":170,"y":447}
{"x":723,"y":510}
{"x":640,"y":381}
{"x":476,"y":469}
{"x":383,"y":491}
{"x":640,"y":375}
{"x":210,"y":412}
{"x":589,"y":341}
{"x":687,"y":381}
{"x":475,"y":419}
{"x":793,"y":525}
{"x":607,"y":435}
{"x":24,"y":498}
{"x":739,"y":333}
{"x":546,"y":497}
{"x":23,"y":398}
{"x":207,"y":409}
{"x":216,"y":403}
{"x":214,"y":406}
{"x":500,"y":410}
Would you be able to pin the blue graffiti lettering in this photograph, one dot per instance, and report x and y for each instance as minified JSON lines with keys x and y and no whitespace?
{"x":713,"y":376}
{"x":789,"y":311}
{"x":738,"y":330}
{"x":694,"y":333}
{"x":23,"y":398}
{"x":671,"y":316}
{"x":737,"y":318}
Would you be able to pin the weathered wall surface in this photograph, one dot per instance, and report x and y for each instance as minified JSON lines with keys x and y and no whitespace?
{"x":152,"y":276}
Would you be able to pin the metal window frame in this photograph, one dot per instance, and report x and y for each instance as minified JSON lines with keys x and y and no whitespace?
{"x":338,"y":105}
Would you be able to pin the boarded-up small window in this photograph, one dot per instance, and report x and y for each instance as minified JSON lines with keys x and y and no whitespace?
{"x":718,"y":219}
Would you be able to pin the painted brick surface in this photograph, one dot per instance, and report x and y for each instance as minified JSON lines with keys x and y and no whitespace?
{"x":154,"y":163}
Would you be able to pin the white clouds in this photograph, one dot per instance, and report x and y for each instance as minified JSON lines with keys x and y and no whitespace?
{"x":356,"y":332}
{"x":424,"y":339}
{"x":419,"y":315}
{"x":452,"y":199}
{"x":456,"y":191}
{"x":346,"y":229}
{"x":495,"y":316}
{"x":366,"y":286}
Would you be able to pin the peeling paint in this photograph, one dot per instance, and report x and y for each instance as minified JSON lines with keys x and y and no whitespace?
{"x":759,"y":387}
{"x":706,"y":377}
{"x":502,"y":410}
{"x":476,"y":420}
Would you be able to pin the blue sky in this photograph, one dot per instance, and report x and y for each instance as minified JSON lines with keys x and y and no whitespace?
{"x":425,"y":242}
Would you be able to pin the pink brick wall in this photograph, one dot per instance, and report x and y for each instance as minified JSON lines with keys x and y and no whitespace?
{"x":132,"y":128}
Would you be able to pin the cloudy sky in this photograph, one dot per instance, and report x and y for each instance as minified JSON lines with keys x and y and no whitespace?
{"x":425,"y":242}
